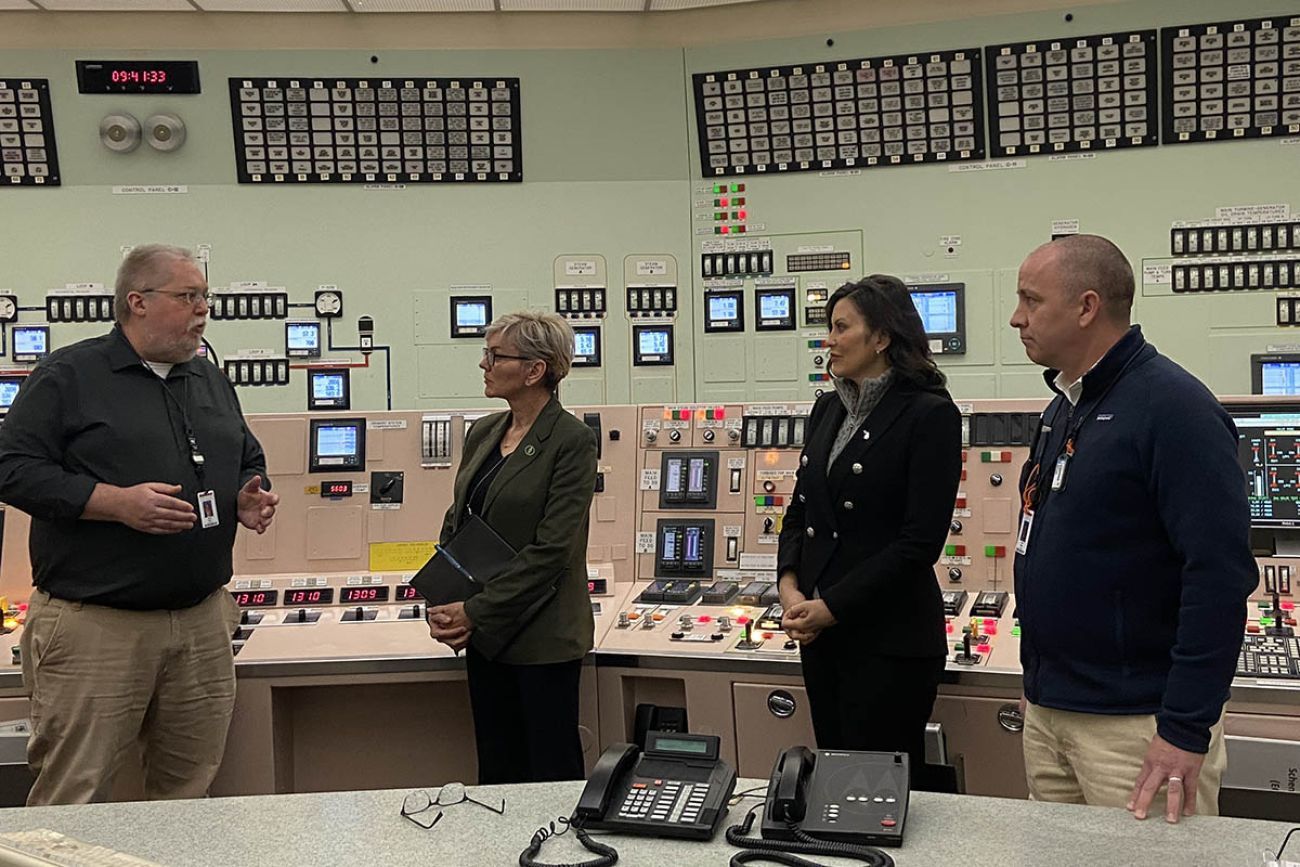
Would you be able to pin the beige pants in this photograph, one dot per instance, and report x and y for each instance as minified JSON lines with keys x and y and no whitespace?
{"x":104,"y":679}
{"x":1092,"y":758}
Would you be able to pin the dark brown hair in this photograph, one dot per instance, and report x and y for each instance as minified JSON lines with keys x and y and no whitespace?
{"x":886,"y":305}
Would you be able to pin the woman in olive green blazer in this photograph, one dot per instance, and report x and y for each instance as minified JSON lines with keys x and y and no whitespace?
{"x":529,"y":473}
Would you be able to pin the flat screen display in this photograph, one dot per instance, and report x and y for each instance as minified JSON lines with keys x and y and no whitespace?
{"x":584,"y":343}
{"x":938,"y":311}
{"x":1268,"y":448}
{"x":8,"y":390}
{"x":302,"y":339}
{"x":31,"y":342}
{"x":1280,"y":378}
{"x":334,"y":441}
{"x":471,"y":314}
{"x":724,"y":308}
{"x":327,"y":386}
{"x":653,"y":342}
{"x":774,"y":306}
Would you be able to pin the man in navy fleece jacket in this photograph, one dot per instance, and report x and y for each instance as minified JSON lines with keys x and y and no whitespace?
{"x":1133,"y":561}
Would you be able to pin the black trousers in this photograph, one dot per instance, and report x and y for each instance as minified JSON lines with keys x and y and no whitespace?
{"x":867,"y":701}
{"x":525,"y":720}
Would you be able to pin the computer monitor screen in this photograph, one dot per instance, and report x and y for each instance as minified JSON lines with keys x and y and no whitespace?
{"x":1275,"y":373}
{"x":586,"y":346}
{"x":327,"y":386}
{"x":31,"y":342}
{"x":302,"y":339}
{"x":653,"y":342}
{"x":9,"y":390}
{"x":471,"y":314}
{"x":328,"y":389}
{"x":1268,"y":448}
{"x":938,"y":311}
{"x":724,"y":307}
{"x":1280,"y":378}
{"x":334,"y":441}
{"x":776,"y":306}
{"x":337,"y":444}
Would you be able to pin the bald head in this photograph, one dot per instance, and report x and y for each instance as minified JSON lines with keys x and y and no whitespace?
{"x":1083,"y":262}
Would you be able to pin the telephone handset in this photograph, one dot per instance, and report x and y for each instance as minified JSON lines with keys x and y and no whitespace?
{"x":789,"y":800}
{"x":678,"y":787}
{"x":837,"y":795}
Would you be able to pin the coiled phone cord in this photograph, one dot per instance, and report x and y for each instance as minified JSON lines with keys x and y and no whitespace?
{"x":779,"y":851}
{"x":528,"y":857}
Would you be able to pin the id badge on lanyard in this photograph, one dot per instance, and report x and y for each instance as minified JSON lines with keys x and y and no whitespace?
{"x":1059,"y":471}
{"x":1026,"y":527}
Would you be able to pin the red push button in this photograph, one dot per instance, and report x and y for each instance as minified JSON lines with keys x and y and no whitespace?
{"x":983,"y":648}
{"x":888,"y":823}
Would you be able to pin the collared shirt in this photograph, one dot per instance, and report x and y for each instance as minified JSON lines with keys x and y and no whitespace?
{"x":1073,"y":391}
{"x":95,"y":412}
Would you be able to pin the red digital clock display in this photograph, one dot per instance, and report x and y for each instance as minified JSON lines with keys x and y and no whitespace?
{"x":407,"y":593}
{"x":312,"y":596}
{"x":138,"y":76}
{"x":255,"y":598}
{"x":353,"y":595}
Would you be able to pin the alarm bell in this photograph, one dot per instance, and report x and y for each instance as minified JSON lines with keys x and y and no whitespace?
{"x":165,"y":132}
{"x":120,"y":133}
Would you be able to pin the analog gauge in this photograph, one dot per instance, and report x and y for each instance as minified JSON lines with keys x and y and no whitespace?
{"x":329,"y":303}
{"x":8,"y":308}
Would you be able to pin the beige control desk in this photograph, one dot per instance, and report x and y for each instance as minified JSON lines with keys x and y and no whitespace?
{"x":365,"y":828}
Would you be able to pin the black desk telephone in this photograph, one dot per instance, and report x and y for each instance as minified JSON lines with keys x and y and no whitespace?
{"x":838,"y":796}
{"x":677,"y":788}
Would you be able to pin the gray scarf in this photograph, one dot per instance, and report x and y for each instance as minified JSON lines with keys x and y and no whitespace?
{"x":858,"y":402}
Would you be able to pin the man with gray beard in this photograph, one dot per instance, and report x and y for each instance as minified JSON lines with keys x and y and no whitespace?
{"x":132,"y":457}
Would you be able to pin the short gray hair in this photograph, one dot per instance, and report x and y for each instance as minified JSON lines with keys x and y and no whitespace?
{"x":145,"y":267}
{"x":1092,"y":262}
{"x":541,"y":335}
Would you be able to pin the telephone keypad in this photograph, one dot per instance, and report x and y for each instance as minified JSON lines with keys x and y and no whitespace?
{"x":667,"y":801}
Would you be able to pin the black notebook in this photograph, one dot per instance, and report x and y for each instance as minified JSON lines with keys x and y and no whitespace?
{"x":463,"y":567}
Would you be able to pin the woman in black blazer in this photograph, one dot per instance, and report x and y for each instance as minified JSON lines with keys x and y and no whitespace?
{"x":869,"y":516}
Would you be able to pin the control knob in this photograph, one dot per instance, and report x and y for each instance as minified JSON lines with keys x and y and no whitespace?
{"x":651,"y":435}
{"x":708,"y":436}
{"x":623,"y":621}
{"x":954,"y":574}
{"x":733,"y":434}
{"x":955,"y":527}
{"x":724,"y":623}
{"x":675,"y":436}
{"x":995,"y":480}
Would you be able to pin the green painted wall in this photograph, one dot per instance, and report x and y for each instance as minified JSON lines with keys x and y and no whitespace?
{"x":611,"y":170}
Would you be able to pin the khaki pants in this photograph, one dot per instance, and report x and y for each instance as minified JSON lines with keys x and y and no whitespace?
{"x":103,"y":679}
{"x":1092,"y":758}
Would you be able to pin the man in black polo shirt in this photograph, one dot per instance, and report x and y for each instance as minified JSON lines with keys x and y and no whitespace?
{"x":133,"y":459}
{"x":1133,"y":560}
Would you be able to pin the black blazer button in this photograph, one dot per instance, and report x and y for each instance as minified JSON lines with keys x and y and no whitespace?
{"x":848,"y":505}
{"x":811,"y":532}
{"x":857,"y":469}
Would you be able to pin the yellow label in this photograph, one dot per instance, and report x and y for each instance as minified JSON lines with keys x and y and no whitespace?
{"x":312,"y":490}
{"x":400,"y":556}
